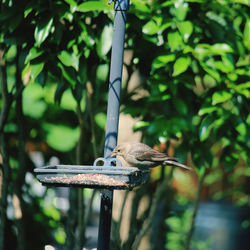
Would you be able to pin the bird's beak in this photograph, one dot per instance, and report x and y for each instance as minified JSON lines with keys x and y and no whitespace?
{"x":113,"y":154}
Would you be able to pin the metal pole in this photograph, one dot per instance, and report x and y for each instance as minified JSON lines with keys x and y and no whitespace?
{"x":121,"y":6}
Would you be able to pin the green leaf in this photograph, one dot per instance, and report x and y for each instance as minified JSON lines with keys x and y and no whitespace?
{"x":150,"y":28}
{"x":232,"y":76}
{"x":181,"y":65}
{"x":246,"y":38}
{"x":161,"y":61}
{"x":226,"y":65}
{"x":248,"y":120}
{"x":246,"y":2}
{"x":204,"y":50}
{"x":242,"y":129}
{"x":175,"y":41}
{"x":78,"y":91}
{"x":93,"y":6}
{"x":243,"y":88}
{"x":42,"y":30}
{"x":36,"y":70}
{"x":141,"y":6}
{"x":140,"y":125}
{"x":33,"y":105}
{"x":211,"y":71}
{"x":220,"y":49}
{"x":228,"y":61}
{"x":186,"y":29}
{"x":200,"y":51}
{"x":61,"y":137}
{"x":221,"y":66}
{"x":205,"y":127}
{"x":68,"y":102}
{"x":162,"y":87}
{"x":157,"y":125}
{"x":60,"y":236}
{"x":82,"y":73}
{"x":105,"y":42}
{"x":213,"y":177}
{"x":68,"y":74}
{"x":100,"y":120}
{"x":221,"y":96}
{"x":11,"y":128}
{"x":196,"y":120}
{"x":166,"y":58}
{"x":180,"y":10}
{"x":34,"y":109}
{"x":159,"y":98}
{"x":85,"y":36}
{"x":102,"y":72}
{"x":72,"y":4}
{"x":201,"y":171}
{"x":175,"y":125}
{"x":27,"y":11}
{"x":207,"y":110}
{"x":26,"y":72}
{"x":69,"y":59}
{"x":174,"y":223}
{"x":180,"y":106}
{"x":61,"y":87}
{"x":33,"y":53}
{"x":11,"y":53}
{"x":230,"y":160}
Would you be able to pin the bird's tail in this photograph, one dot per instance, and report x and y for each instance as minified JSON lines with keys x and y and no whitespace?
{"x":175,"y":163}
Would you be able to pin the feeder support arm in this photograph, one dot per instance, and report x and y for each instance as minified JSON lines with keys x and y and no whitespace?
{"x":115,"y":76}
{"x":115,"y":79}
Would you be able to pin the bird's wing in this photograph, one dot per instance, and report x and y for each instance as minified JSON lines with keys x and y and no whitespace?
{"x":153,"y":155}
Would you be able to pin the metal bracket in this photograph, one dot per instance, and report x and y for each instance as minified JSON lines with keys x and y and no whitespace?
{"x":120,"y":4}
{"x":108,"y":161}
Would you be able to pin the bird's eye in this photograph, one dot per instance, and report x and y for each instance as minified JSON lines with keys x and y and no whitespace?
{"x":118,"y":150}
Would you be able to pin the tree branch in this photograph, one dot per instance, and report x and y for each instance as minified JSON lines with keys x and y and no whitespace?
{"x":5,"y":168}
{"x":5,"y":182}
{"x":6,"y":96}
{"x":91,"y":115}
{"x":20,"y":223}
{"x":116,"y":226}
{"x":95,"y":150}
{"x":195,"y":209}
{"x":79,"y":160}
{"x":133,"y":214}
{"x":161,"y":190}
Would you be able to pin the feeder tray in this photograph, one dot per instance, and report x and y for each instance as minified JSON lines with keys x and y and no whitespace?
{"x":106,"y":176}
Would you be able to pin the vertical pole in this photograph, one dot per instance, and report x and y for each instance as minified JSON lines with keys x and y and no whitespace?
{"x":121,"y":6}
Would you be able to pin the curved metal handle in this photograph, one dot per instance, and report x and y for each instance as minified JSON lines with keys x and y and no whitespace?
{"x":108,"y":161}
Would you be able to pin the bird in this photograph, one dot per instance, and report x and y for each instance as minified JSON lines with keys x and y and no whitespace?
{"x":140,"y":155}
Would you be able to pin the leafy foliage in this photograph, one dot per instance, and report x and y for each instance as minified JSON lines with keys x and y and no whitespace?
{"x":198,"y":82}
{"x":193,"y":60}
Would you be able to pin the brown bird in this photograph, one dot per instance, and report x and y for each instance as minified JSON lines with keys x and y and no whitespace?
{"x":135,"y":154}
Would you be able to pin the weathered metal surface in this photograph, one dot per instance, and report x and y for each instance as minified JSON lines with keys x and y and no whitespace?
{"x":108,"y":177}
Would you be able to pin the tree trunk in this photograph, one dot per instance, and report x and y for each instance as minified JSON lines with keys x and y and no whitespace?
{"x":195,"y":209}
{"x":20,"y":221}
{"x":5,"y":168}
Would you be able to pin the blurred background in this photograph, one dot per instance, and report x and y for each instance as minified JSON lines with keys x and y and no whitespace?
{"x":185,"y":91}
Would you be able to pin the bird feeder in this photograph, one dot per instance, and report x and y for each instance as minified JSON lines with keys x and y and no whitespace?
{"x":111,"y":174}
{"x":101,"y":177}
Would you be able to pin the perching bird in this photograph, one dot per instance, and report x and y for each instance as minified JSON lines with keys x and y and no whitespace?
{"x":135,"y":154}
